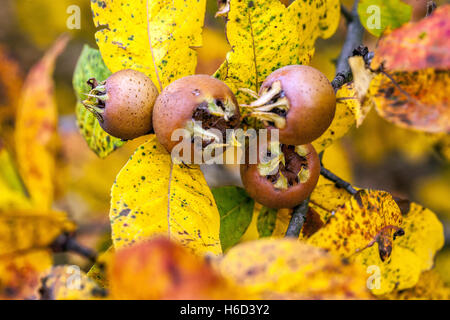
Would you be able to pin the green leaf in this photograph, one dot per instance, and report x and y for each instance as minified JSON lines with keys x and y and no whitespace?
{"x":377,"y":15}
{"x":91,"y":65}
{"x":236,"y":210}
{"x":266,"y":221}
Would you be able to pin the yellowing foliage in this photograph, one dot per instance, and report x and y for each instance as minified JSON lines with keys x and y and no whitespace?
{"x":161,"y":269}
{"x":154,"y":37}
{"x":411,"y":254}
{"x":259,"y":30}
{"x":429,"y":287}
{"x":20,"y":274}
{"x":289,"y":269}
{"x":153,"y":196}
{"x":36,"y":127}
{"x":368,"y":217}
{"x":347,"y":105}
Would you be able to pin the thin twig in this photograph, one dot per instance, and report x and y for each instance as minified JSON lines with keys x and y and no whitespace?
{"x":67,"y":243}
{"x":353,"y":40}
{"x":297,"y":219}
{"x":340,"y":183}
{"x":346,"y":13}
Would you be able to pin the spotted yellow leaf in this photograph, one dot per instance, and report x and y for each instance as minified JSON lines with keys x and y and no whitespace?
{"x":154,"y":37}
{"x":347,"y":105}
{"x":412,"y":253}
{"x":24,"y":230}
{"x":265,"y":35}
{"x":20,"y":274}
{"x":286,"y":268}
{"x":36,"y":129}
{"x":429,"y":287}
{"x":367,"y":218}
{"x":153,"y":196}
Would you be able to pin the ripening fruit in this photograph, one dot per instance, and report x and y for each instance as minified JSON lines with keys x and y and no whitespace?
{"x":123,"y":103}
{"x":196,"y":103}
{"x":299,"y":101}
{"x":284,"y":179}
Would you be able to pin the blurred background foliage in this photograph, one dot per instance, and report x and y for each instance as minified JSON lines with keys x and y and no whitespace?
{"x":378,"y":155}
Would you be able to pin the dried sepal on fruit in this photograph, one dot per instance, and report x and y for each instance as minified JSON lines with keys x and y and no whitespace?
{"x":283,"y":176}
{"x":123,"y":103}
{"x":201,"y":105}
{"x":298,"y":100}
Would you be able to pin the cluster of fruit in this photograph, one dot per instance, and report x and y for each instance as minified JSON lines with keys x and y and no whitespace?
{"x":298,"y":101}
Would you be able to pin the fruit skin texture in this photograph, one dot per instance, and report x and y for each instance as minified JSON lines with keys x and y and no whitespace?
{"x":129,"y":105}
{"x":263,"y":191}
{"x":312,"y":103}
{"x":176,"y":104}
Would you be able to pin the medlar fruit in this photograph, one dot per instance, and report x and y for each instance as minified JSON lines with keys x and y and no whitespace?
{"x":299,"y":101}
{"x":284,"y":177}
{"x":123,"y":103}
{"x":195,"y":103}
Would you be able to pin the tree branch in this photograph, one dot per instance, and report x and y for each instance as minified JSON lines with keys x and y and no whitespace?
{"x":67,"y":243}
{"x":297,"y":219}
{"x":346,"y":13}
{"x":353,"y":40}
{"x":340,"y":183}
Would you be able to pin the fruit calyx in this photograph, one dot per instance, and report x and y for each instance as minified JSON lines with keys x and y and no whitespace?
{"x":97,"y":97}
{"x":213,"y":114}
{"x":271,"y":107}
{"x":288,"y":165}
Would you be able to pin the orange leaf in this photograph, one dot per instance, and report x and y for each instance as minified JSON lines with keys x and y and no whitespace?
{"x":36,"y":128}
{"x":161,"y":269}
{"x":417,"y":46}
{"x":418,"y":100}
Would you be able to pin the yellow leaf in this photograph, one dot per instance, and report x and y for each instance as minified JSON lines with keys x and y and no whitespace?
{"x":265,"y":35}
{"x":152,"y":196}
{"x":429,"y":287}
{"x":289,"y":269}
{"x":98,"y":272}
{"x":12,"y":193}
{"x":337,"y":159}
{"x":20,"y":275}
{"x":161,"y":269}
{"x":43,"y":21}
{"x":368,"y":217}
{"x":69,"y":283}
{"x":442,"y":265}
{"x":347,"y":105}
{"x":154,"y":37}
{"x":412,"y":253}
{"x":25,"y":230}
{"x":362,"y":83}
{"x":416,"y":100}
{"x":36,"y":128}
{"x":11,"y":81}
{"x":328,"y":198}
